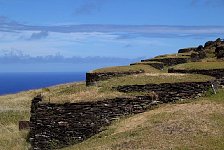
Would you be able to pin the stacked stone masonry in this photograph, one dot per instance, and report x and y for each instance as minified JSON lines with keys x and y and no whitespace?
{"x":170,"y":92}
{"x":58,"y":125}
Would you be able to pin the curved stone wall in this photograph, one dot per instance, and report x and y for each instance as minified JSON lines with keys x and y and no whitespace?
{"x":58,"y":125}
{"x":170,"y":92}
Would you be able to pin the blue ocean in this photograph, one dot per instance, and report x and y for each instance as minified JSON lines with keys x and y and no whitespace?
{"x":15,"y":82}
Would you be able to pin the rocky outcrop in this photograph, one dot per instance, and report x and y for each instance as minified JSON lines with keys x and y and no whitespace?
{"x":215,"y":43}
{"x":201,"y":52}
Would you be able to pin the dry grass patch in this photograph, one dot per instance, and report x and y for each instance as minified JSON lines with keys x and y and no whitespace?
{"x":140,"y":67}
{"x":93,"y":94}
{"x":200,"y":65}
{"x":10,"y":136}
{"x":177,"y":55}
{"x":153,"y":78}
{"x":78,"y":92}
{"x":13,"y":139}
{"x":147,"y":63}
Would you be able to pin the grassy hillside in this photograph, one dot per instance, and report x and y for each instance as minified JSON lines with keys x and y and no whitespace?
{"x":177,"y":55}
{"x":147,"y":69}
{"x":154,"y":78}
{"x":201,"y":65}
{"x":192,"y":124}
{"x":196,"y":124}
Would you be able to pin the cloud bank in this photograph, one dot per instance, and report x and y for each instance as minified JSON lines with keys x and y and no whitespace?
{"x":123,"y":31}
{"x":39,"y":35}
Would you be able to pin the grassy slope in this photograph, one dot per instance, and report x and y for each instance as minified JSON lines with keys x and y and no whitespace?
{"x":142,"y":79}
{"x":201,"y":65}
{"x":147,"y":69}
{"x":193,"y":125}
{"x":177,"y":55}
{"x":147,"y":63}
{"x":16,"y":107}
{"x":13,"y":108}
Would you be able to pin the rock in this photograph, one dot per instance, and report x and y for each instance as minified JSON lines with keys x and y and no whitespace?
{"x":196,"y":56}
{"x":199,"y":48}
{"x":219,"y":52}
{"x":202,"y":54}
{"x":215,"y":43}
{"x":209,"y":44}
{"x":23,"y":125}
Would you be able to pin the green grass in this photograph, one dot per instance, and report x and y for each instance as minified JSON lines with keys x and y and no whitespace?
{"x":147,"y":69}
{"x":216,"y":98}
{"x":143,"y":79}
{"x":200,"y":65}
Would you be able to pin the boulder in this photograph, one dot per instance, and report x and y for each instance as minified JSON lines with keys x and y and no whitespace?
{"x":202,"y":54}
{"x":209,"y":44}
{"x":195,"y":56}
{"x":199,"y":48}
{"x":219,"y":52}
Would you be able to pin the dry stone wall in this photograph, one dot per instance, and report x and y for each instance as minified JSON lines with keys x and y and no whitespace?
{"x":58,"y":125}
{"x":170,"y":92}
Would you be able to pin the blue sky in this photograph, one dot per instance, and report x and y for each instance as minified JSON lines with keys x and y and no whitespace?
{"x":106,"y":28}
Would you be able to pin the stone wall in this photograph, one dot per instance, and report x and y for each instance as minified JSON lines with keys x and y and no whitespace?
{"x":92,"y":78}
{"x":218,"y":73}
{"x":55,"y":126}
{"x":169,"y":61}
{"x":170,"y":92}
{"x":58,"y":125}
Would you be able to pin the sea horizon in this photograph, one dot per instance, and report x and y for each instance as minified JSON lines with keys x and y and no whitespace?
{"x":15,"y":82}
